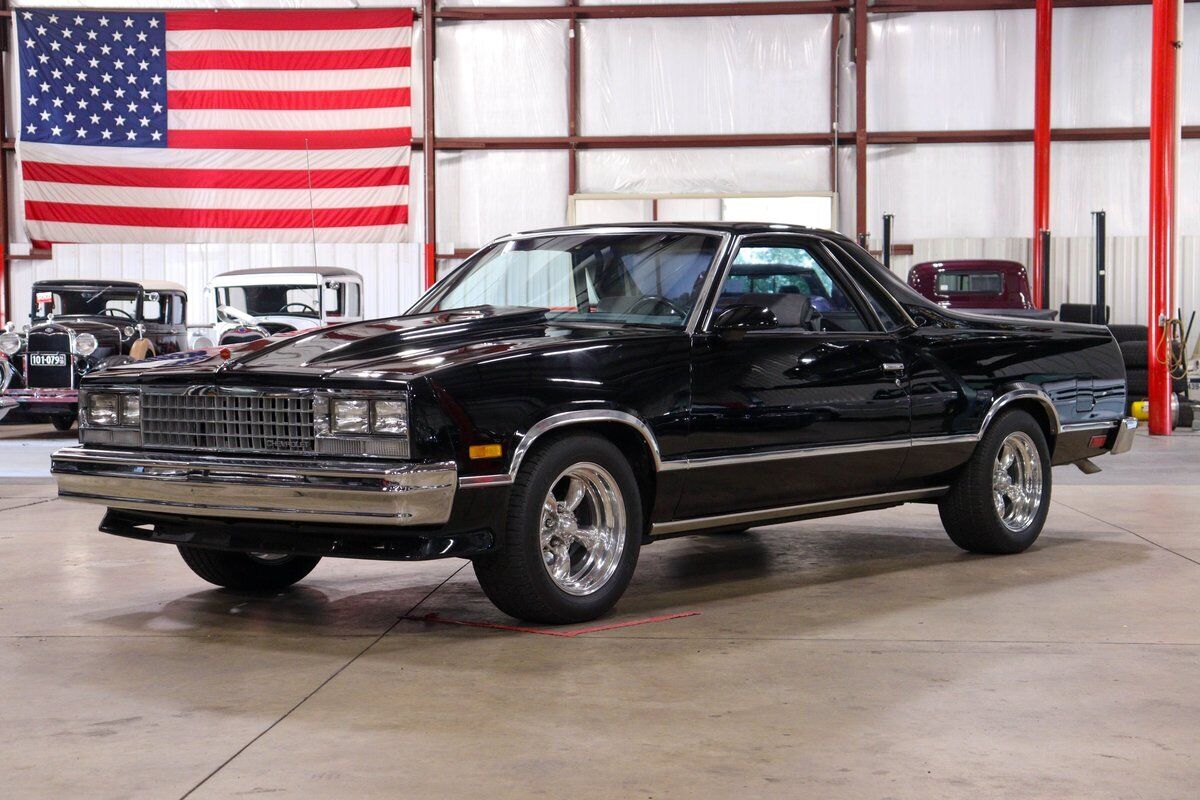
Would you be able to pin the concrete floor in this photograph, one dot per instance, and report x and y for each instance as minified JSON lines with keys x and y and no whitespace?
{"x":856,"y":657}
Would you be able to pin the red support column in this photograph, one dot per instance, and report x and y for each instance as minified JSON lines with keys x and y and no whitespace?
{"x":428,"y":47}
{"x":860,"y":120}
{"x":1164,"y":132}
{"x":1041,"y":147}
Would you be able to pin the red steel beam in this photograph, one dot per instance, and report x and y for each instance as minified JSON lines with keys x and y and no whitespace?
{"x":860,"y":117}
{"x":429,"y":51}
{"x":1041,"y":147}
{"x":626,"y":11}
{"x":1164,"y":76}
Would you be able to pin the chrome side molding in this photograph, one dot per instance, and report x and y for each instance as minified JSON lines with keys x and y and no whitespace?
{"x":768,"y":515}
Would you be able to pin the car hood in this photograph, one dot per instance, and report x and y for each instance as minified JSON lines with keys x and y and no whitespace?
{"x":397,"y":348}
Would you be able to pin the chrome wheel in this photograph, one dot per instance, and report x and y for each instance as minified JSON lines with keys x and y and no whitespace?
{"x":582,"y":529}
{"x":1017,"y":481}
{"x":270,"y":558}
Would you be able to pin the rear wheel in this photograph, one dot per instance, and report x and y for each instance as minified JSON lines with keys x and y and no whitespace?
{"x":999,"y":502}
{"x":573,"y":534}
{"x":247,"y":571}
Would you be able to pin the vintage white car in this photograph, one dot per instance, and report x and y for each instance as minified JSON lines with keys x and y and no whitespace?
{"x":255,"y":303}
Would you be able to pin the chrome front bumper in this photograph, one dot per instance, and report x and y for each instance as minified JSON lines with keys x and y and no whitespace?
{"x":326,"y":491}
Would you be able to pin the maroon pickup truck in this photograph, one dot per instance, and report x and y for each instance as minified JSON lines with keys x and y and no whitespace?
{"x":984,"y":286}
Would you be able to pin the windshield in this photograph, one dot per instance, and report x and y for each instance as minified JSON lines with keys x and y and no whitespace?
{"x":653,"y":278}
{"x":109,"y":301}
{"x":268,"y":301}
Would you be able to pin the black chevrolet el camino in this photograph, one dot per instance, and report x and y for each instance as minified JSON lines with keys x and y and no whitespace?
{"x":566,"y":397}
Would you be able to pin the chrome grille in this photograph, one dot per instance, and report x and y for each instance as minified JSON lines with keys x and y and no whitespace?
{"x":206,"y":419}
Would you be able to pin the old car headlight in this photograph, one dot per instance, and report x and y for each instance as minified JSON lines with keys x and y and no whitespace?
{"x":390,"y":417}
{"x":103,"y":409}
{"x":131,"y":409}
{"x":350,"y":416}
{"x":10,"y":343}
{"x":85,"y":344}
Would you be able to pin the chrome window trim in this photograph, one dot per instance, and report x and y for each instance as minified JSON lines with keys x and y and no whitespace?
{"x":767,"y":515}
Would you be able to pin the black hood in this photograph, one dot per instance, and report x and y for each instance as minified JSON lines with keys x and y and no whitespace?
{"x":394,"y":348}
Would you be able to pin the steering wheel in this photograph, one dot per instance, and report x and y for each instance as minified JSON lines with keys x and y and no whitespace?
{"x":304,"y":307}
{"x":112,"y":312}
{"x":656,"y":302}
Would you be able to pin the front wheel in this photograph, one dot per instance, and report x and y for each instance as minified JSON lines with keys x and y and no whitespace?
{"x":253,"y":572}
{"x":62,"y":422}
{"x":999,"y":502}
{"x":573,"y":534}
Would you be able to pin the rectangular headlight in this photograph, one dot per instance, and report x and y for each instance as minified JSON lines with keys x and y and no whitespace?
{"x":391,"y":417}
{"x":350,"y":416}
{"x":103,"y":409}
{"x":131,"y":409}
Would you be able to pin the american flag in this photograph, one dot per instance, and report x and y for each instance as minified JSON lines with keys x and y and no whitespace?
{"x":215,"y":126}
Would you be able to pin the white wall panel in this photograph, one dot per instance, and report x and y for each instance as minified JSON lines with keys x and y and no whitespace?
{"x":482,"y":194}
{"x":730,"y":170}
{"x":950,"y":71}
{"x":391,"y":272}
{"x":1101,"y":67}
{"x":705,"y":75}
{"x":502,"y":78}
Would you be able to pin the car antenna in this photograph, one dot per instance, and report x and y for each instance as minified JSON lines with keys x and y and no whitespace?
{"x":312,"y":214}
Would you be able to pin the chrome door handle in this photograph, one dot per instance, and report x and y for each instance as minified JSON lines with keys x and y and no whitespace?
{"x":892,"y":366}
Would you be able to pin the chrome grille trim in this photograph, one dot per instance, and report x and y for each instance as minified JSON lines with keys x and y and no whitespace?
{"x":228,"y":420}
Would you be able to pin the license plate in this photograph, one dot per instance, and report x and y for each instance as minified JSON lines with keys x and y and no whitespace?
{"x":47,"y":359}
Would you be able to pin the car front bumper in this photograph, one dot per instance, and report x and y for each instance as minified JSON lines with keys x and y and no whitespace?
{"x":357,"y":493}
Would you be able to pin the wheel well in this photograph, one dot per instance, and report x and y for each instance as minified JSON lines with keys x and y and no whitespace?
{"x":1036,"y":409}
{"x":632,"y":445}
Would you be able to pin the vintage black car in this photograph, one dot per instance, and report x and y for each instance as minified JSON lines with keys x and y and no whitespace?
{"x":79,"y":326}
{"x":566,"y":397}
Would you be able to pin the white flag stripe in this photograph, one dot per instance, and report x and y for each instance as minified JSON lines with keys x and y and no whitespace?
{"x":102,"y":234}
{"x":161,"y":157}
{"x":363,"y":39}
{"x":253,"y":80}
{"x":138,"y":197}
{"x":256,"y":120}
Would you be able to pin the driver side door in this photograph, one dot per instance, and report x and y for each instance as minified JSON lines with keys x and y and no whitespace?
{"x":814,"y":409}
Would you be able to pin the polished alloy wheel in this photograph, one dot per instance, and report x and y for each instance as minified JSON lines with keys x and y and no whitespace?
{"x":270,"y":558}
{"x":582,"y":529}
{"x":1017,"y":481}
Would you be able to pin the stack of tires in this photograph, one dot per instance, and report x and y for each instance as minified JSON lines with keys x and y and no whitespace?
{"x":1134,"y":352}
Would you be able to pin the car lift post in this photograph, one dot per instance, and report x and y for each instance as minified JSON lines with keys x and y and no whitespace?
{"x":1164,"y":135}
{"x":1099,"y":304}
{"x":1041,"y":147}
{"x":887,"y":239}
{"x":1043,"y":285}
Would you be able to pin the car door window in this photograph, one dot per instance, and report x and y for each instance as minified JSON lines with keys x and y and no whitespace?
{"x":802,"y":292}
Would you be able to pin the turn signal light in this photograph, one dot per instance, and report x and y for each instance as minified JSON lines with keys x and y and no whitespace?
{"x":478,"y":451}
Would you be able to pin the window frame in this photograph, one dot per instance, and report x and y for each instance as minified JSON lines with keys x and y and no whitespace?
{"x":815,"y":247}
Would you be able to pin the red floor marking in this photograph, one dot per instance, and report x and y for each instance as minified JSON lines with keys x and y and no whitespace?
{"x":548,"y":632}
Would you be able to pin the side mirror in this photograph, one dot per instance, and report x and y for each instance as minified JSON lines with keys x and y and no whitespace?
{"x":741,"y":318}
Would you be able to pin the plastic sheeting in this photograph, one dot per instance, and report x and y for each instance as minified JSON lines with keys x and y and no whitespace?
{"x":985,"y":190}
{"x":482,"y":194}
{"x":732,"y":170}
{"x":705,"y":75}
{"x":502,"y":78}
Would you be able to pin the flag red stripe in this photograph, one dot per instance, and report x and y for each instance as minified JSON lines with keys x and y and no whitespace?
{"x":215,"y":217}
{"x":379,"y":58}
{"x":291,"y":140}
{"x":178,"y":99}
{"x":149,"y":177}
{"x":322,"y":20}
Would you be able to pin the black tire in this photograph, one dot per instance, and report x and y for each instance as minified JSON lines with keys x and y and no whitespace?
{"x":515,"y":577}
{"x":969,"y":512}
{"x":62,"y":422}
{"x":246,"y":572}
